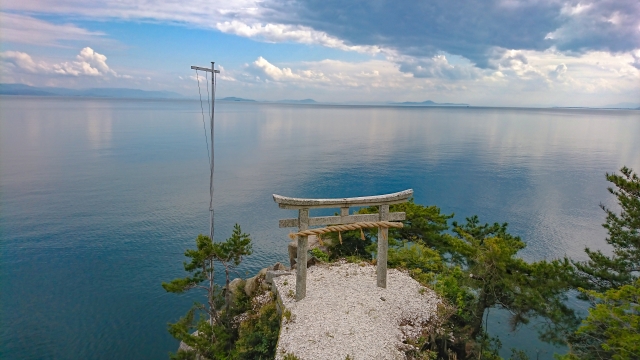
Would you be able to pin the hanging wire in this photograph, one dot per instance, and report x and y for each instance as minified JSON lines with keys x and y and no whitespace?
{"x":204,"y":125}
{"x":206,"y":74}
{"x":213,"y":100}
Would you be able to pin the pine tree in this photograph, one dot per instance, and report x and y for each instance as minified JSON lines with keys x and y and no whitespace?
{"x":611,"y":283}
{"x":215,"y":332}
{"x":602,"y":272}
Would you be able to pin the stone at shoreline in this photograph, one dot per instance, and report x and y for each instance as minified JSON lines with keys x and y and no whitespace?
{"x":251,"y":285}
{"x":272,"y":274}
{"x":313,"y":243}
{"x":310,"y":262}
{"x":263,"y":272}
{"x":234,"y":286}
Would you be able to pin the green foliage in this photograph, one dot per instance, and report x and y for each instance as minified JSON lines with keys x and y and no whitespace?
{"x":201,"y":258}
{"x":215,"y":332}
{"x":602,"y":272}
{"x":258,"y":335}
{"x":481,"y":270}
{"x":518,"y":355}
{"x":234,"y":248}
{"x":612,"y":329}
{"x":424,"y":224}
{"x":476,"y":268}
{"x":498,"y":278}
{"x":415,"y":256}
{"x":287,"y":314}
{"x":320,"y":255}
{"x":351,"y":245}
{"x":611,"y":284}
{"x":289,"y":356}
{"x":210,"y":341}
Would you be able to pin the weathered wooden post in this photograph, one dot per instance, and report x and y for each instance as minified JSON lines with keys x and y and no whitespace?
{"x":303,"y":243}
{"x":304,"y":221}
{"x":383,"y":248}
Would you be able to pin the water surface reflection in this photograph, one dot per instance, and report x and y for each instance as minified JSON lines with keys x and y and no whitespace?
{"x":99,"y":198}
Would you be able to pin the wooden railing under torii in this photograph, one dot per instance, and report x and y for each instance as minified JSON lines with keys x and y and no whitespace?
{"x":382,"y":220}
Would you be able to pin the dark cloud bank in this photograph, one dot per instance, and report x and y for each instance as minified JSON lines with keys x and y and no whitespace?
{"x":476,"y":29}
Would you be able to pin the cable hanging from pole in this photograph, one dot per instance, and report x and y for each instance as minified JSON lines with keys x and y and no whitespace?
{"x":206,"y":74}
{"x":204,"y":125}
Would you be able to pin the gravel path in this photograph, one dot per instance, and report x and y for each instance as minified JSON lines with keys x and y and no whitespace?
{"x":345,"y":313}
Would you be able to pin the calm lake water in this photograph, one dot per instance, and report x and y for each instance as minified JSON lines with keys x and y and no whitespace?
{"x":99,"y":198}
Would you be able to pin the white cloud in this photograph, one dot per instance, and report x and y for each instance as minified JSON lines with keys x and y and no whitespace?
{"x":88,"y":63}
{"x":437,"y":67}
{"x":242,"y":18}
{"x":224,"y":75}
{"x":521,"y":78}
{"x":95,"y":61}
{"x":406,"y":36}
{"x":571,"y":10}
{"x":328,"y":74}
{"x":269,"y":71}
{"x":290,"y":33}
{"x":28,"y":30}
{"x":23,"y":62}
{"x":198,"y":12}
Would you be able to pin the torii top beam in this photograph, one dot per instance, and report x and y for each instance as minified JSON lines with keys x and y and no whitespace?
{"x":298,"y":203}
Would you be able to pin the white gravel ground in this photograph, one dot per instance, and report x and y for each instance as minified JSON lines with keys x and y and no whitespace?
{"x":345,"y":313}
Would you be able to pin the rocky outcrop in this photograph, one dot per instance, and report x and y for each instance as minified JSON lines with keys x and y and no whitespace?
{"x":251,"y":285}
{"x":262,"y":280}
{"x":346,"y":315}
{"x":235,"y":286}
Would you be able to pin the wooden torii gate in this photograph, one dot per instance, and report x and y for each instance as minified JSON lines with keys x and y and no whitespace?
{"x":304,"y":221}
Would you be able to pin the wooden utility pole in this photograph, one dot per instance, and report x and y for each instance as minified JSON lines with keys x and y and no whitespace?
{"x":213,"y":102}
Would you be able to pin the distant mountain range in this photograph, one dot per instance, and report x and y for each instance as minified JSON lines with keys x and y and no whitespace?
{"x":21,"y":89}
{"x":426,"y":103}
{"x":233,"y":98}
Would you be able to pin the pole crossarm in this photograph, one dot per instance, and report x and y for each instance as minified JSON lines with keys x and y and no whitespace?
{"x":204,"y":69}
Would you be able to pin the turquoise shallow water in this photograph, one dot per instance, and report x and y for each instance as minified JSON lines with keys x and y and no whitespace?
{"x":99,"y":198}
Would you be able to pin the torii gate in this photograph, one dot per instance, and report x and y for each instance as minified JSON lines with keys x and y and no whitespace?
{"x":304,"y":221}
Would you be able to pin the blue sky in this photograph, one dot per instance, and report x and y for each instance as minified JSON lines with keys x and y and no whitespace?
{"x":490,"y":53}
